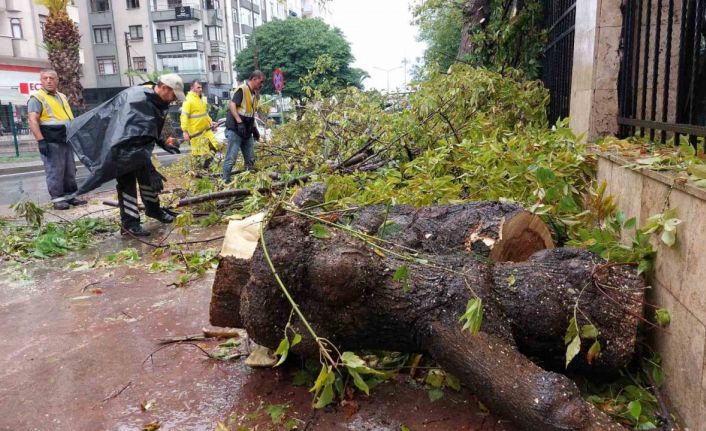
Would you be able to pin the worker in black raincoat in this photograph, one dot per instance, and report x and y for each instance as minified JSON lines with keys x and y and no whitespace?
{"x":115,"y":141}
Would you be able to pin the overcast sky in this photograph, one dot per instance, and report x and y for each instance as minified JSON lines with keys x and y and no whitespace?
{"x":381,"y":37}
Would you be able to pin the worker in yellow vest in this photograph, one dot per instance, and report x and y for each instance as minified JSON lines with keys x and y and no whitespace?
{"x":198,"y":127}
{"x":49,"y":112}
{"x":241,"y":130}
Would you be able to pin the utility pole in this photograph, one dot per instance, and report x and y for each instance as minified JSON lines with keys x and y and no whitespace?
{"x":404,"y":62}
{"x":388,"y":75}
{"x":129,"y":60}
{"x":252,"y":35}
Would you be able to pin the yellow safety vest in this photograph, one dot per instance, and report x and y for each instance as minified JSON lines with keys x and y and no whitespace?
{"x":53,"y":112}
{"x":194,"y":114}
{"x":249,"y":104}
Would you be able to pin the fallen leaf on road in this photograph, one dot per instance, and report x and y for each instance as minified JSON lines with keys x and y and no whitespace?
{"x":146,"y":405}
{"x":152,"y":426}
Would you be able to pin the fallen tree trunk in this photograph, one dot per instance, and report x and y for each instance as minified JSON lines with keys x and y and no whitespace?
{"x":349,"y":295}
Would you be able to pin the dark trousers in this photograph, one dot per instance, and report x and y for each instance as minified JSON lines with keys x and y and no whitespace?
{"x":127,"y":197}
{"x":60,"y":169}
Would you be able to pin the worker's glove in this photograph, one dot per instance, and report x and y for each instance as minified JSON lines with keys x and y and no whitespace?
{"x":256,"y":134}
{"x":171,"y":149}
{"x":43,"y":147}
{"x":242,"y":130}
{"x":156,"y":180}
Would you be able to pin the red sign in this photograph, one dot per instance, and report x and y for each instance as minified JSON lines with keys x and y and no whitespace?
{"x":278,"y":80}
{"x":30,"y":87}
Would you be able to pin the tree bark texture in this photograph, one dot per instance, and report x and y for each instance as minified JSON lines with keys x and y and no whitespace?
{"x":475,"y":14}
{"x":348,"y":294}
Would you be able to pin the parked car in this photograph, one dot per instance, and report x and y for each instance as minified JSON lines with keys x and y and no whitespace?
{"x":265,"y":132}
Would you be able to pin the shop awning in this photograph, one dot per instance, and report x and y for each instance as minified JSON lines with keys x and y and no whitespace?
{"x":12,"y":95}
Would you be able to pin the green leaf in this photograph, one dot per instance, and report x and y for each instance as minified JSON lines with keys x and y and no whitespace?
{"x":319,"y":231}
{"x":630,"y":223}
{"x":301,"y":378}
{"x":402,"y":275}
{"x":635,"y":409}
{"x":453,"y":382}
{"x":545,"y":175}
{"x":326,"y":396}
{"x":473,"y":316}
{"x":573,"y":349}
{"x":435,"y":378}
{"x":358,"y":381}
{"x":404,"y":428}
{"x":296,"y":340}
{"x":276,"y":412}
{"x":662,"y":317}
{"x":589,"y":331}
{"x":435,"y":394}
{"x":282,"y":351}
{"x":571,"y":331}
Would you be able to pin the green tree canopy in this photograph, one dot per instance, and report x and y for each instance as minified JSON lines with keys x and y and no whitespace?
{"x":294,"y":45}
{"x":440,"y":23}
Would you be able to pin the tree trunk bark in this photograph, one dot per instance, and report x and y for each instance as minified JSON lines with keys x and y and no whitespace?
{"x":348,"y":294}
{"x":475,"y":14}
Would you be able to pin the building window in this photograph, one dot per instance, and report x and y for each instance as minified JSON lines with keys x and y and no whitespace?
{"x":42,"y":24}
{"x":212,"y":4}
{"x":181,"y":63}
{"x":245,"y":17}
{"x":173,"y":3}
{"x":16,"y":28}
{"x":216,"y":64}
{"x":161,"y":36}
{"x":139,"y":63}
{"x":100,"y":5}
{"x":214,"y":32}
{"x":133,"y":4}
{"x":177,"y":32}
{"x":107,"y":65}
{"x":102,"y":34}
{"x":135,"y":32}
{"x":238,"y":44}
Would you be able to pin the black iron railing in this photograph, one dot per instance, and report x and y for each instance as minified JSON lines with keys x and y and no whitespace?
{"x":660,"y":94}
{"x":560,"y":17}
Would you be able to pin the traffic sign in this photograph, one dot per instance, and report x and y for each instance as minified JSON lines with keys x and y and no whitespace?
{"x":278,"y":80}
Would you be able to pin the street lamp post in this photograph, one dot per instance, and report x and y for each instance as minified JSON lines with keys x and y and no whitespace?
{"x":388,"y":75}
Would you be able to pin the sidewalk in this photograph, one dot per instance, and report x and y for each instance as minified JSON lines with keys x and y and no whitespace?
{"x":19,"y":167}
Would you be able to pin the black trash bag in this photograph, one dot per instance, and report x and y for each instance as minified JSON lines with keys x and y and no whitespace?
{"x":117,"y":136}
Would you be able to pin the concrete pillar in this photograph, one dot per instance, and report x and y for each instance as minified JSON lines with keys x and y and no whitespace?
{"x":594,"y":85}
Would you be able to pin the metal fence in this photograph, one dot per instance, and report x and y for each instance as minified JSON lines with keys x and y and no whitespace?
{"x":15,"y":136}
{"x":662,"y":91}
{"x":560,"y":18}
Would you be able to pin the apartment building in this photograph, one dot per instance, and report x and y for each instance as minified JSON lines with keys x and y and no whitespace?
{"x":22,"y":55}
{"x":196,"y":38}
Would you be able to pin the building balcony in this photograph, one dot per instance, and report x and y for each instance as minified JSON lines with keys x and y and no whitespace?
{"x":190,"y":75}
{"x":187,"y":12}
{"x":214,"y":17}
{"x":247,"y":4}
{"x":101,"y":18}
{"x":105,"y":49}
{"x":219,"y":77}
{"x":246,"y":29}
{"x":10,"y":5}
{"x":216,"y":47}
{"x":179,"y":46}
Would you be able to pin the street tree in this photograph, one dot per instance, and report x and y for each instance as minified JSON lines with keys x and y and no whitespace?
{"x":61,"y":40}
{"x":297,"y":46}
{"x":499,"y":35}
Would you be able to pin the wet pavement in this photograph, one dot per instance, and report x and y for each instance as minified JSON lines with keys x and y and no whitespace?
{"x":80,"y":352}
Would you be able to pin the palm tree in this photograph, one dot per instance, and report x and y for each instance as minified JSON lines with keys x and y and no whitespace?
{"x":61,"y":40}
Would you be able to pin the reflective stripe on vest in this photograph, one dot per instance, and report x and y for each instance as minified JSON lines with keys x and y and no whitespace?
{"x":249,"y":104}
{"x":54,"y":113}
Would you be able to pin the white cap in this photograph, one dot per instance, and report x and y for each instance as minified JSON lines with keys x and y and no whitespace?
{"x":174,"y":81}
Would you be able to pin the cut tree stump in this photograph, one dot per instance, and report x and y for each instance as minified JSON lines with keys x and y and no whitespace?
{"x":348,"y":294}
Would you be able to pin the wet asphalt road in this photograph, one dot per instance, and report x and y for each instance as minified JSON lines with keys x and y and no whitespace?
{"x":32,"y":185}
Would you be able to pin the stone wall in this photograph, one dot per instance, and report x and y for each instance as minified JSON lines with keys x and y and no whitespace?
{"x":678,"y":281}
